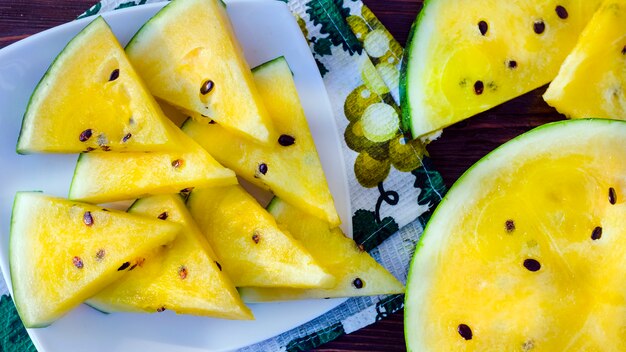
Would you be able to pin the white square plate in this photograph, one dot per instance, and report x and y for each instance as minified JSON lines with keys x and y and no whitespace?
{"x":266,"y":29}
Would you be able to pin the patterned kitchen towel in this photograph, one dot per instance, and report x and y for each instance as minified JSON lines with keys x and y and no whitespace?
{"x":393,"y":187}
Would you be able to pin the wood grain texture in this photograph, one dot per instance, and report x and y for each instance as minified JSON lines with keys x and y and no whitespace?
{"x":459,"y":147}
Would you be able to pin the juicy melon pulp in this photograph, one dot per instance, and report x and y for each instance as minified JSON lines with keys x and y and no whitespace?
{"x":249,"y":244}
{"x":80,"y":104}
{"x":356,"y":273}
{"x":57,"y":260}
{"x":184,"y":277}
{"x":456,"y":66}
{"x":527,"y":249}
{"x":108,"y":177}
{"x":188,"y":44}
{"x":592,"y":79}
{"x":298,"y":156}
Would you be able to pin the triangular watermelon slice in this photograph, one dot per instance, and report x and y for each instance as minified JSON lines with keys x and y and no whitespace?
{"x":184,"y":277}
{"x":464,"y":57}
{"x":189,"y":56}
{"x":63,"y":252}
{"x":357,"y":273}
{"x":91,"y":99}
{"x":249,"y":244}
{"x":592,"y":79}
{"x":291,"y":153}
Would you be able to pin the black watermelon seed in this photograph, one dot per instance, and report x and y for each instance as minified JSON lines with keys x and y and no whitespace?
{"x":218,"y":265}
{"x":162,"y":309}
{"x":124,"y":266}
{"x":512,"y":64}
{"x":126,"y":137}
{"x":133,"y":267}
{"x":85,"y":135}
{"x":182,"y":272}
{"x":256,"y":237}
{"x":100,"y":254}
{"x":263,"y":168}
{"x":612,"y":196}
{"x":624,"y":50}
{"x":539,"y":27}
{"x":479,"y":87}
{"x":163,"y":215}
{"x":286,"y":140}
{"x":114,"y":75}
{"x":357,"y":283}
{"x":561,"y":12}
{"x":509,"y":225}
{"x":596,"y":233}
{"x":212,"y":122}
{"x":483,"y":27}
{"x":177,"y":163}
{"x":532,"y":265}
{"x":207,"y":87}
{"x":465,"y":331}
{"x":77,"y":262}
{"x":87,"y":218}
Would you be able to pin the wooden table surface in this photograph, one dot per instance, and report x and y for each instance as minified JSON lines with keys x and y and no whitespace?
{"x":460,"y":146}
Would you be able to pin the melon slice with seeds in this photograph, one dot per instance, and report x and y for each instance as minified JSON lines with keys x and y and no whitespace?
{"x":357,"y":273}
{"x":189,"y":56}
{"x":251,"y":248}
{"x":527,"y":250}
{"x":184,"y":277}
{"x":63,"y":252}
{"x":91,"y":99}
{"x":464,"y":57}
{"x":592,"y":80}
{"x":291,"y":153}
{"x":108,"y":177}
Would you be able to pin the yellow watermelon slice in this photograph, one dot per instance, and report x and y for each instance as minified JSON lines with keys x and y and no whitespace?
{"x":91,"y":99}
{"x":63,"y":252}
{"x":184,"y":277}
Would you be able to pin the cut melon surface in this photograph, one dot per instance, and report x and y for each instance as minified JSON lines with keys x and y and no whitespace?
{"x":527,"y":250}
{"x":63,"y":252}
{"x":189,"y":56}
{"x":252,"y":249}
{"x":592,"y":79}
{"x":291,"y":153}
{"x":184,"y":277}
{"x":464,"y":57}
{"x":109,"y":177}
{"x":356,"y":273}
{"x":91,"y":99}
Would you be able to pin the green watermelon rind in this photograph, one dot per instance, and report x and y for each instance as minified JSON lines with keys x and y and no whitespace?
{"x":515,"y":145}
{"x":50,"y":73}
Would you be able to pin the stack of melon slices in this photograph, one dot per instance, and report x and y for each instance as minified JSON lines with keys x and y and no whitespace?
{"x":186,"y":251}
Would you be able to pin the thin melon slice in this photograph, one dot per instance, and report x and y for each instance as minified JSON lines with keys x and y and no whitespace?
{"x":292,"y":153}
{"x":248,"y":243}
{"x":108,"y":177}
{"x":63,"y":252}
{"x":91,"y":99}
{"x":189,"y":56}
{"x":592,"y":79}
{"x":464,"y":57}
{"x":356,"y":273}
{"x":527,"y":250}
{"x":184,"y":277}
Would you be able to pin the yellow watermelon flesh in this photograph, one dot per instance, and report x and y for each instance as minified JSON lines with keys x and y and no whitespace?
{"x":184,"y":277}
{"x":592,"y":79}
{"x":292,"y":152}
{"x":91,"y":99}
{"x":63,"y":252}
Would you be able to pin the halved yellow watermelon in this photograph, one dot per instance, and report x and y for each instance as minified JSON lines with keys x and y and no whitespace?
{"x":527,"y":250}
{"x":184,"y":277}
{"x":274,"y":165}
{"x":357,"y":273}
{"x":464,"y":57}
{"x":592,"y":79}
{"x":189,"y":56}
{"x":108,"y":177}
{"x":91,"y":99}
{"x":248,"y":243}
{"x":63,"y":252}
